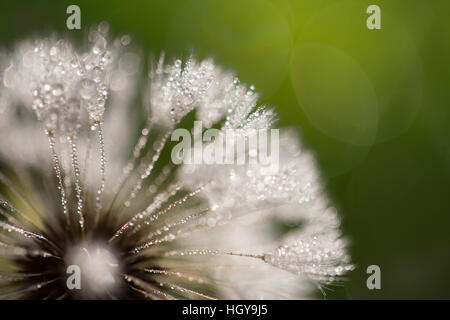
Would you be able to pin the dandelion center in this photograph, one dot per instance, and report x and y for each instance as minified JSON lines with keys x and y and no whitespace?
{"x":99,"y":268}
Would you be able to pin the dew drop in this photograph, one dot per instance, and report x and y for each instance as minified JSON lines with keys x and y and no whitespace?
{"x":58,"y":90}
{"x":9,"y":77}
{"x":99,"y":46}
{"x":87,"y":89}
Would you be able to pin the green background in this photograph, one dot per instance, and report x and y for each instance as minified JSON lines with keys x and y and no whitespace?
{"x":374,"y":105}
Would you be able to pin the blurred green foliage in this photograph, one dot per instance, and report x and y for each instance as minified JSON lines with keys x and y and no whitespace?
{"x":374,"y":105}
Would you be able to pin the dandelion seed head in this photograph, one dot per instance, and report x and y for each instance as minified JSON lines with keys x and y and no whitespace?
{"x":138,"y":226}
{"x":319,"y":257}
{"x":60,"y":84}
{"x":176,"y":89}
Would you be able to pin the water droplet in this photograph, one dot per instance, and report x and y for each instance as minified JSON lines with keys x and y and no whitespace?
{"x":9,"y":77}
{"x":125,"y":40}
{"x":58,"y":90}
{"x":100,"y":44}
{"x":103,"y":27}
{"x":87,"y":89}
{"x":97,"y":74}
{"x":54,"y":51}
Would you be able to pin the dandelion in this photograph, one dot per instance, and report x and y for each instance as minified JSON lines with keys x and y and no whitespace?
{"x":75,"y":193}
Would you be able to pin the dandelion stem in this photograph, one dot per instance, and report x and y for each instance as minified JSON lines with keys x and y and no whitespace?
{"x":101,"y":189}
{"x":129,"y":168}
{"x":78,"y":188}
{"x":57,"y":168}
{"x":149,"y":169}
{"x":162,"y":198}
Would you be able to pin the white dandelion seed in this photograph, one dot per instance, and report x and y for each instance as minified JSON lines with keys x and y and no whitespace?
{"x":142,"y":227}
